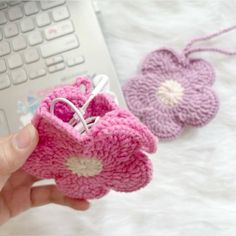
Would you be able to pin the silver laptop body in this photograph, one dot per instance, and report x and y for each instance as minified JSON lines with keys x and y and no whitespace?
{"x":44,"y":44}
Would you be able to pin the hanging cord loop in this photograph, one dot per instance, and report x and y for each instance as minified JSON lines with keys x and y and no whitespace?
{"x":189,"y":48}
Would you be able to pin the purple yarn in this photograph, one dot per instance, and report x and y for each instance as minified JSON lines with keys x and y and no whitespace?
{"x":172,"y":92}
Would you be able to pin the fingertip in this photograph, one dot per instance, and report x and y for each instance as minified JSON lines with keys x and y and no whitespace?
{"x":35,"y":135}
{"x":26,"y":139}
{"x":78,"y":204}
{"x":15,"y":149}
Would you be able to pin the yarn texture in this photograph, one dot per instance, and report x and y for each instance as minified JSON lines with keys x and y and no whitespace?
{"x":171,"y":92}
{"x":86,"y":166}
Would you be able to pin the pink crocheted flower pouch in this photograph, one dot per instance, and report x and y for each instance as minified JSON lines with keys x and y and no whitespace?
{"x":111,"y":155}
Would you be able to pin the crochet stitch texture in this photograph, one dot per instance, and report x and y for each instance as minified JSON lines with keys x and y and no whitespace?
{"x":171,"y":92}
{"x":86,"y":166}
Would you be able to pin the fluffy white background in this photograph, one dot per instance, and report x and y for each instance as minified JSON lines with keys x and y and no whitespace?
{"x":194,"y":188}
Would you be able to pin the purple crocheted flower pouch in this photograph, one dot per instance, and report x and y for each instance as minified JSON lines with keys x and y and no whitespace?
{"x":173,"y":91}
{"x":171,"y":94}
{"x":111,"y":155}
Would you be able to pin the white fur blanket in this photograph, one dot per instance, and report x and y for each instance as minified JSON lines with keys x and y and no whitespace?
{"x":194,"y":188}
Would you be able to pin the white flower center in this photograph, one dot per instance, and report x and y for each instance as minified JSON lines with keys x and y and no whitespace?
{"x":170,"y":92}
{"x":84,"y":166}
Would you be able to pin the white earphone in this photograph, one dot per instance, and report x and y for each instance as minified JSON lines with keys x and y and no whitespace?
{"x":77,"y":121}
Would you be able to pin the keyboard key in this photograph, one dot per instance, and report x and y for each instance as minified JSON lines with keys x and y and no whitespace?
{"x":31,"y":8}
{"x":3,"y":18}
{"x":4,"y":129}
{"x":26,"y":25}
{"x":18,"y":76}
{"x":13,"y":3}
{"x":10,"y":30}
{"x":14,"y":61}
{"x":60,"y":13}
{"x":4,"y":48}
{"x":3,"y":5}
{"x":4,"y":81}
{"x":19,"y":43}
{"x":54,"y":60}
{"x":43,"y":19}
{"x":75,"y":61}
{"x":3,"y":67}
{"x":35,"y":38}
{"x":37,"y":74}
{"x":31,"y":55}
{"x":15,"y":13}
{"x":56,"y":67}
{"x":58,"y":30}
{"x":59,"y":45}
{"x":51,"y":3}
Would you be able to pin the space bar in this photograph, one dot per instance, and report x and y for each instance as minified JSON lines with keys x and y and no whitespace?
{"x":59,"y":45}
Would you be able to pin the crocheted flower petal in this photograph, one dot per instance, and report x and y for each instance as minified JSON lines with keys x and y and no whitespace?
{"x":163,"y":125}
{"x":46,"y":161}
{"x":161,"y":61}
{"x":199,"y":109}
{"x":137,"y":94}
{"x":123,"y":119}
{"x":200,"y":73}
{"x":149,"y":141}
{"x":81,"y":187}
{"x":131,"y":175}
{"x":54,"y":144}
{"x":100,"y":105}
{"x":39,"y":165}
{"x":117,"y":143}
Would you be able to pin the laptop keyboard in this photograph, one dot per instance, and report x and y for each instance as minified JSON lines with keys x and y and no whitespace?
{"x":33,"y":31}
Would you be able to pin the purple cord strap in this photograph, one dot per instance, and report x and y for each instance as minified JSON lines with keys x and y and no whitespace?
{"x":188,"y":49}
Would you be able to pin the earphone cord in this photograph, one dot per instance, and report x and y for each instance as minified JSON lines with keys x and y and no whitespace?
{"x":189,"y":48}
{"x":73,"y":107}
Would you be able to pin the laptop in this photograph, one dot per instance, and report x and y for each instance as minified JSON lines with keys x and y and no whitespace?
{"x":44,"y":44}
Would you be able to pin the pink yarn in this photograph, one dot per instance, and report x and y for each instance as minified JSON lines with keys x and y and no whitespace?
{"x":114,"y":146}
{"x":172,"y":92}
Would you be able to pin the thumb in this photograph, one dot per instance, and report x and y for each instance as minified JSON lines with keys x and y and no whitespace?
{"x":15,"y":149}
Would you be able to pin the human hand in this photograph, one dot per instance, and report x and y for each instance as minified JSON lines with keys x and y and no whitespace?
{"x":16,"y":191}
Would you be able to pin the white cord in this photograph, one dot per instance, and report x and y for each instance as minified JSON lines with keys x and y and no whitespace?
{"x":101,"y":84}
{"x":90,"y":122}
{"x":79,"y":112}
{"x":103,"y":81}
{"x":70,"y":104}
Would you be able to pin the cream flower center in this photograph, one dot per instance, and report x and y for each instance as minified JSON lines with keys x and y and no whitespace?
{"x":170,"y":92}
{"x":84,"y":166}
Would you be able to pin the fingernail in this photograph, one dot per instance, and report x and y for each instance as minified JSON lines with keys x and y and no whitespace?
{"x":24,"y":138}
